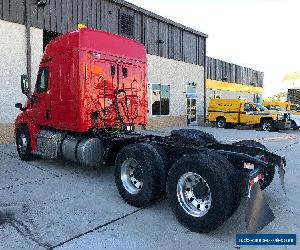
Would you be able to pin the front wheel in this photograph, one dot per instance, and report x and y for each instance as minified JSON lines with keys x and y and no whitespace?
{"x":267,"y":125}
{"x":23,"y":143}
{"x":221,"y":122}
{"x":199,"y":192}
{"x":294,"y":126}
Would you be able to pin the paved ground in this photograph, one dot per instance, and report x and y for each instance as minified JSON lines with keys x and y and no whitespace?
{"x":46,"y":204}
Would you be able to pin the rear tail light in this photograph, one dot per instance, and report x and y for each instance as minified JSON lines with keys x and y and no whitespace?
{"x":257,"y":178}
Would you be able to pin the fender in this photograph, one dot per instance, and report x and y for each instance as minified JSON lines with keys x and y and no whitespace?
{"x":26,"y":118}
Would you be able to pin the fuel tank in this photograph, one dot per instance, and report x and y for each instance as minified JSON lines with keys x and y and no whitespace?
{"x":85,"y":151}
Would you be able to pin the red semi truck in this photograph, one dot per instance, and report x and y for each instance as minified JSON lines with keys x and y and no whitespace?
{"x":91,"y":94}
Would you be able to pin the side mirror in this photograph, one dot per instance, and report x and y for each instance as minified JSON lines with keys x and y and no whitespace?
{"x":19,"y":106}
{"x":25,"y":85}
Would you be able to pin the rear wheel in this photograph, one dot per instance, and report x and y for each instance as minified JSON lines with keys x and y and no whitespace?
{"x":199,"y":192}
{"x":267,"y":125}
{"x":235,"y":177}
{"x":221,"y":122}
{"x":140,"y":174}
{"x":23,"y":143}
{"x":250,"y":143}
{"x":194,"y":136}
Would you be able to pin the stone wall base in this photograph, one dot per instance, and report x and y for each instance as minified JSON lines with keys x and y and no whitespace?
{"x":7,"y":133}
{"x":167,"y":121}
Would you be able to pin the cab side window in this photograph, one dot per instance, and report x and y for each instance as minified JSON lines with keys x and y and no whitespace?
{"x":249,"y":107}
{"x":42,"y":80}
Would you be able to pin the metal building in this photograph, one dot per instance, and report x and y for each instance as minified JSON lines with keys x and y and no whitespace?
{"x":228,"y":80}
{"x":176,"y":54}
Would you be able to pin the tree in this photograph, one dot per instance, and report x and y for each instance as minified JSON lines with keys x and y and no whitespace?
{"x":281,"y":96}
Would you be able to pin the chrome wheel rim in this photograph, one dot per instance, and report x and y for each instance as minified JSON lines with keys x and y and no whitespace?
{"x":220,"y":124}
{"x":22,"y":143}
{"x":132,"y":176}
{"x":194,"y":194}
{"x":267,"y":126}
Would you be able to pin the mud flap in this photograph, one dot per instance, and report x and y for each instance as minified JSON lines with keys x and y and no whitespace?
{"x":258,"y":212}
{"x":281,"y":172}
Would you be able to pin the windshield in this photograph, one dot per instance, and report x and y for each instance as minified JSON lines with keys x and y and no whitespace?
{"x":277,"y":108}
{"x":261,"y":107}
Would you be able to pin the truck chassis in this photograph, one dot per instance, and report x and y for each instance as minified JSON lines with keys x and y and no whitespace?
{"x":204,"y":180}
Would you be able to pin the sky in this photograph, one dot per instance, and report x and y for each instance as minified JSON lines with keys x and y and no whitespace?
{"x":260,"y":34}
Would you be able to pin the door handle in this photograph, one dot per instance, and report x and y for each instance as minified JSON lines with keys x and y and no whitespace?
{"x":47,"y":115}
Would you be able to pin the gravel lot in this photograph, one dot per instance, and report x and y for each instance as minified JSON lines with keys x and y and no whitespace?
{"x":57,"y":204}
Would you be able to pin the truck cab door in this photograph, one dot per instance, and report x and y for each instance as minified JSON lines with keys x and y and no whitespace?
{"x":41,"y":98}
{"x":257,"y":115}
{"x":247,"y":114}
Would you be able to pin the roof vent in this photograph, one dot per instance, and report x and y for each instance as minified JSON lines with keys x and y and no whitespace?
{"x":127,"y":25}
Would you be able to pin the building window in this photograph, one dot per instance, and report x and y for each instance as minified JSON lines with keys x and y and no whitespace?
{"x":191,"y":90}
{"x":160,"y":99}
{"x":127,"y":25}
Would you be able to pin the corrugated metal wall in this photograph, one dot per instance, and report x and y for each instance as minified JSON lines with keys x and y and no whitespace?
{"x":228,"y":72}
{"x":161,"y":36}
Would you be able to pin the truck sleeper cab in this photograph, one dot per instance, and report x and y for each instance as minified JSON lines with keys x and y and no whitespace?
{"x":91,"y":93}
{"x":81,"y":84}
{"x":230,"y":112}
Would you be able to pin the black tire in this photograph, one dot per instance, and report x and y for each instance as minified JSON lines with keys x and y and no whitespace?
{"x":221,"y":122}
{"x":267,"y":125}
{"x":250,"y":143}
{"x":22,"y":137}
{"x":294,"y":126}
{"x":220,"y":188}
{"x":152,"y":174}
{"x":235,"y":177}
{"x":270,"y":171}
{"x":193,"y":136}
{"x":165,"y":158}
